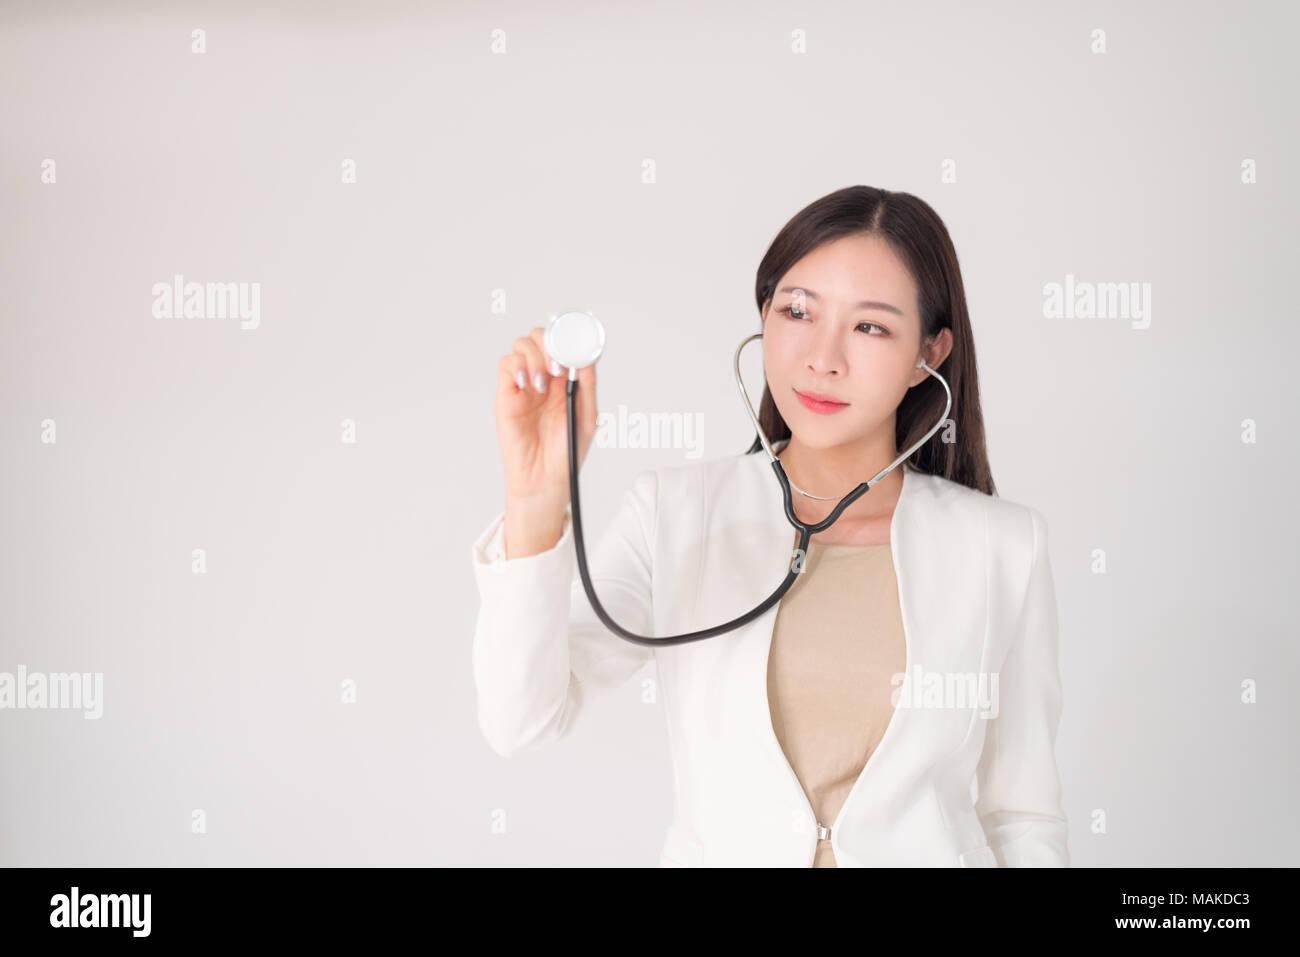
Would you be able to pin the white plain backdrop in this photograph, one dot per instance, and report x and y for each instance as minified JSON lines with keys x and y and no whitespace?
{"x":511,"y":158}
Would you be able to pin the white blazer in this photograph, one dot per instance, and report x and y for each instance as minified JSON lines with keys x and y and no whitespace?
{"x":698,"y":545}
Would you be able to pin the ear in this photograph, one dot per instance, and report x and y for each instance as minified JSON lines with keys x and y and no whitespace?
{"x":940,"y":348}
{"x":934,"y":352}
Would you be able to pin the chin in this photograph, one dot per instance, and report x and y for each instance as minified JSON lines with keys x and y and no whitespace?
{"x":817,"y":435}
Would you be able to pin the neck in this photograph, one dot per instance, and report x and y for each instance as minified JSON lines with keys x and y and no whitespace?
{"x":838,"y":470}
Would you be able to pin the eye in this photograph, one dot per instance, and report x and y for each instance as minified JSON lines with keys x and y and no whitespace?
{"x":794,"y":313}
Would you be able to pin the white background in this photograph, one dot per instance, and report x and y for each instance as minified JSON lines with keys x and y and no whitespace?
{"x":522,"y":173}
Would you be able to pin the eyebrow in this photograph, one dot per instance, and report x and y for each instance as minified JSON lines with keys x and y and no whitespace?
{"x":864,"y":304}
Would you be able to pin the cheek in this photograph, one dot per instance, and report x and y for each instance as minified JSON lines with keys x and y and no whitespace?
{"x":780,"y":352}
{"x":877,"y":382}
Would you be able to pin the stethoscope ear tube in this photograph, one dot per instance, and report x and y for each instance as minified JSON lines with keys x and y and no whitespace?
{"x":771,"y":454}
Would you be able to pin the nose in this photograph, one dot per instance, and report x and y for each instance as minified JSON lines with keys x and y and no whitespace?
{"x":825,"y":352}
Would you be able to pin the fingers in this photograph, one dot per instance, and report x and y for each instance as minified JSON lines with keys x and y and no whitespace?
{"x":549,"y":367}
{"x":522,"y":366}
{"x":528,"y":368}
{"x":528,"y":364}
{"x":512,"y":375}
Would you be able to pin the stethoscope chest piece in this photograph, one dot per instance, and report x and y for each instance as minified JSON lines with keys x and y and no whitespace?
{"x":574,"y":338}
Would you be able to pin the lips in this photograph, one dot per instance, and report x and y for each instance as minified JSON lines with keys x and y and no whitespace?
{"x":818,"y":397}
{"x":820,"y":403}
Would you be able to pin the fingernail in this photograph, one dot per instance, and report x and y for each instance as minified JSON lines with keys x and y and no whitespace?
{"x":539,"y":381}
{"x":521,"y":379}
{"x":555,"y":367}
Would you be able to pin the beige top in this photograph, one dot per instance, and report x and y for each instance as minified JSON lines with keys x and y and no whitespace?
{"x":837,"y":642}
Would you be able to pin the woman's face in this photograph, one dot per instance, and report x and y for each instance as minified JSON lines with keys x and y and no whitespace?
{"x":843,"y":324}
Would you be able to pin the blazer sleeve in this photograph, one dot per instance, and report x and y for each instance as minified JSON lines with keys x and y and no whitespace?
{"x":540,"y":654}
{"x":1019,"y":790}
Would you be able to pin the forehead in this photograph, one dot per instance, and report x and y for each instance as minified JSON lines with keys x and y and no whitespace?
{"x":850,"y":269}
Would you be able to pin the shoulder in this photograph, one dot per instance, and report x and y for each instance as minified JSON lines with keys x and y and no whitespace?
{"x":1009,"y":525}
{"x":732,"y":472}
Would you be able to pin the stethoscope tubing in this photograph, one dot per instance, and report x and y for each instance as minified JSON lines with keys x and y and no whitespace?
{"x":805,"y":531}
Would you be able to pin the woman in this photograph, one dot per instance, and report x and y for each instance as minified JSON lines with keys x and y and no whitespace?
{"x":916,"y":655}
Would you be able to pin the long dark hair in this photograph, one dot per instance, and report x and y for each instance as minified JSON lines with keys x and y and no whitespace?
{"x":919,"y":238}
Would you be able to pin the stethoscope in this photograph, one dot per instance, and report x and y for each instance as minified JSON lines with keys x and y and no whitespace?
{"x":575,"y":340}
